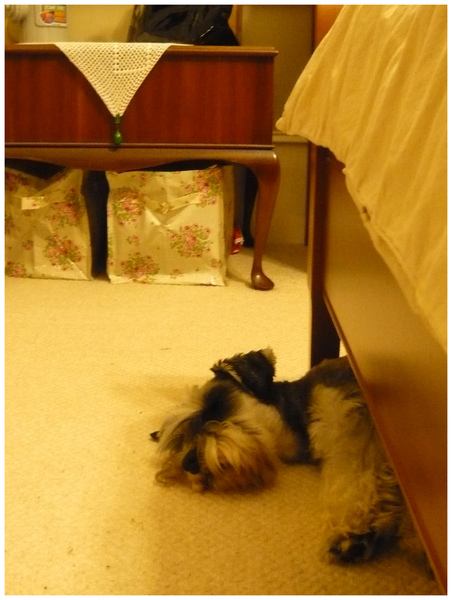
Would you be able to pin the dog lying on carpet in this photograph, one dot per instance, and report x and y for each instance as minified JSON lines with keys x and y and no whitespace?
{"x":243,"y":423}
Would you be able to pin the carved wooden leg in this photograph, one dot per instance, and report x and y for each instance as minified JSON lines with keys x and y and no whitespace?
{"x":266,"y":170}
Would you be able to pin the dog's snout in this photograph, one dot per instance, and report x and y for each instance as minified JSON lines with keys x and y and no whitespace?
{"x":190,"y":462}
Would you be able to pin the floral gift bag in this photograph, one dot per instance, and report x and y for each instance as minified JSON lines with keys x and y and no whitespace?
{"x":166,"y":227}
{"x":46,"y":226}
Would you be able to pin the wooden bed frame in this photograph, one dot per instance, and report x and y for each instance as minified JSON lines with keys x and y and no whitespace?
{"x":401,"y":367}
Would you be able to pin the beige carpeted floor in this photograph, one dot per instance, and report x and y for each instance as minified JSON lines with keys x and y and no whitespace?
{"x":93,"y":368}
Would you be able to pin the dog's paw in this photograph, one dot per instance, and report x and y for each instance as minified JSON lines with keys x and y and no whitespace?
{"x":353,"y":547}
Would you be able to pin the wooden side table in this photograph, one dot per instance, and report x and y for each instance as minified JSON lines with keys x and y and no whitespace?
{"x":198,"y":103}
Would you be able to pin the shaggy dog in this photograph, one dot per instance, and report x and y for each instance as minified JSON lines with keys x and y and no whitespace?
{"x":242,"y":423}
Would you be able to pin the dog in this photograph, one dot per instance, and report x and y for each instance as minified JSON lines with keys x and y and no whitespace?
{"x":243,"y":423}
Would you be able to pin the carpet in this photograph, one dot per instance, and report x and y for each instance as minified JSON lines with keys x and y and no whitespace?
{"x":91,"y":369}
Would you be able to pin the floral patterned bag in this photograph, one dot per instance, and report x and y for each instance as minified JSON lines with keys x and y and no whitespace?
{"x":46,"y":226}
{"x":166,"y":227}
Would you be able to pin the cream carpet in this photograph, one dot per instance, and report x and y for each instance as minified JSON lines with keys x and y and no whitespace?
{"x":91,"y":369}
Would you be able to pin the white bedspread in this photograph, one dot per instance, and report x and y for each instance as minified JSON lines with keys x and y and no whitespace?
{"x":375,"y":94}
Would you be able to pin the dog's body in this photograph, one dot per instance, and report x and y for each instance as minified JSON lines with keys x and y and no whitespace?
{"x":245,"y":423}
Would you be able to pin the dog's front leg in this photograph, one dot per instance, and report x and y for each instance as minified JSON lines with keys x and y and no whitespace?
{"x":363,"y":510}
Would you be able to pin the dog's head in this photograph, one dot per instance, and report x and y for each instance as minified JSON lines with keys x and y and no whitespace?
{"x":224,"y":444}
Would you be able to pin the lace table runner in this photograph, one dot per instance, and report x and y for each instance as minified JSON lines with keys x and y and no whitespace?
{"x":115,"y":70}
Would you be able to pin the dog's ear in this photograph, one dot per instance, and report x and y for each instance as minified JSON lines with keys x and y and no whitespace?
{"x":253,"y":371}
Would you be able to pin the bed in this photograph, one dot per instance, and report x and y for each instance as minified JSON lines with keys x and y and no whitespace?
{"x":372,"y":102}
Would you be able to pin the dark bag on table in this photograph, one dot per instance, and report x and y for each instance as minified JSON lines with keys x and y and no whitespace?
{"x":203,"y":25}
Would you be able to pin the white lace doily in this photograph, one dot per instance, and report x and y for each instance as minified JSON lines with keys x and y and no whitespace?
{"x":115,"y":70}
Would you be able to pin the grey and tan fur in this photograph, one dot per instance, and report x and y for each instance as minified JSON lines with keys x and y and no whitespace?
{"x":242,"y":423}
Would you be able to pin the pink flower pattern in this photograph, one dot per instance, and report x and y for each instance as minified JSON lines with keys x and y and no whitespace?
{"x":207,"y":183}
{"x":62,"y":252}
{"x":151,"y":223}
{"x":140,"y":268}
{"x":127,"y":204}
{"x":15,"y":269}
{"x":69,"y":212}
{"x":191,"y":241}
{"x":9,"y":224}
{"x":59,"y":207}
{"x":15,"y":180}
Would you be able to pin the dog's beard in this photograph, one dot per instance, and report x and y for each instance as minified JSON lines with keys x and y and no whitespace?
{"x":237,"y":457}
{"x":228,"y":457}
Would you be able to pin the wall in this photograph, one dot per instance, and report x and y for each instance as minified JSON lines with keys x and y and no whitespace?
{"x":86,"y":23}
{"x":99,"y":23}
{"x":288,"y":28}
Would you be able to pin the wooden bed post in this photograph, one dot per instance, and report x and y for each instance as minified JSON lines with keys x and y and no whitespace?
{"x":324,"y":342}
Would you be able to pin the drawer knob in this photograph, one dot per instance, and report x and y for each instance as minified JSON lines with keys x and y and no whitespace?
{"x":117,"y":136}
